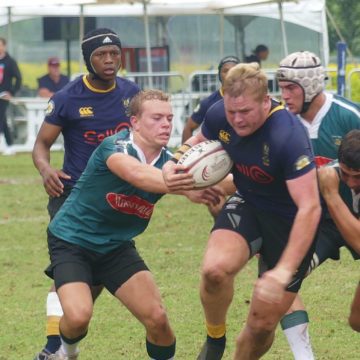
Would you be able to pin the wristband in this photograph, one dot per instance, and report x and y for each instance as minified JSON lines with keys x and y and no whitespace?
{"x":180,"y":152}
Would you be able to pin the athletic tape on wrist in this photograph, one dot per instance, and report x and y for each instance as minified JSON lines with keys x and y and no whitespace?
{"x":180,"y":152}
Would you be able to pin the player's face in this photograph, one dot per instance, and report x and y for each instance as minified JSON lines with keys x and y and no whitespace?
{"x":225,"y":69}
{"x":246,"y":114}
{"x":155,"y":123}
{"x":350,"y":177}
{"x":106,"y":61}
{"x":293,"y":96}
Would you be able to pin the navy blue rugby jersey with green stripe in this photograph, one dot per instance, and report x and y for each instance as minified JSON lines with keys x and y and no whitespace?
{"x":87,"y":116}
{"x":103,"y":210}
{"x":278,"y":151}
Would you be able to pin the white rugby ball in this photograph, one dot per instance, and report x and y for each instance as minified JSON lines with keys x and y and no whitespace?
{"x":208,"y":162}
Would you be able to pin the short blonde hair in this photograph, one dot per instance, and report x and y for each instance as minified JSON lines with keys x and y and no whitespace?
{"x":246,"y":78}
{"x":135,"y":106}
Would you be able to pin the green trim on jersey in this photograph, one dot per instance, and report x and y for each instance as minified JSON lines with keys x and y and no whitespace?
{"x":333,"y":121}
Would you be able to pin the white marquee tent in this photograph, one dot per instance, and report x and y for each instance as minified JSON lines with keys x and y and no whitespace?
{"x":309,"y":14}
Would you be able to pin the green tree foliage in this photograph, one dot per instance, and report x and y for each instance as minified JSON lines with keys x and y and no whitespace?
{"x":346,"y":14}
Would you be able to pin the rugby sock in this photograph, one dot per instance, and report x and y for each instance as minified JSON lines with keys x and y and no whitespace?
{"x":54,"y":313}
{"x":157,"y":352}
{"x":69,"y":347}
{"x":295,"y":327}
{"x":216,"y":335}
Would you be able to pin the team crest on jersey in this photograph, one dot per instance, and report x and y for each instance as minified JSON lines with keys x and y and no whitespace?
{"x":86,"y":111}
{"x":132,"y":205}
{"x":265,"y":155}
{"x":224,"y":136}
{"x":50,"y":108}
{"x":302,"y":162}
{"x":126,"y":102}
{"x":336,"y":140}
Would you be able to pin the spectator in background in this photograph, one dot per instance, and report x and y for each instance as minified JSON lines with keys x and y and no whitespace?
{"x":260,"y":53}
{"x":10,"y":83}
{"x":53,"y":81}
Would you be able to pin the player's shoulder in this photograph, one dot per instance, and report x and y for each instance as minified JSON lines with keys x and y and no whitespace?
{"x":345,"y":105}
{"x":217,"y":108}
{"x":281,"y":117}
{"x":73,"y":88}
{"x":283,"y":128}
{"x":127,"y":85}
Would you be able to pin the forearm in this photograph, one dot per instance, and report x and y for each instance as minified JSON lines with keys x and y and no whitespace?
{"x":148,"y":178}
{"x":187,"y":133}
{"x":346,"y":222}
{"x":45,"y":93}
{"x":41,"y":156}
{"x":300,"y":239}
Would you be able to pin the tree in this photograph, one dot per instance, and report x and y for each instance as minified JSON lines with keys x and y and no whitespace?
{"x":346,"y":14}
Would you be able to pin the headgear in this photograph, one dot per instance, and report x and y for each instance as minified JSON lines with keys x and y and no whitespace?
{"x":95,"y":39}
{"x":303,"y":68}
{"x":225,"y":60}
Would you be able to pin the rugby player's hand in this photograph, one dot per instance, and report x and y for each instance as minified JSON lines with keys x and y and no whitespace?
{"x":211,"y":196}
{"x":270,"y":287}
{"x":328,"y":181}
{"x":215,"y":208}
{"x":51,"y":181}
{"x":176,"y":179}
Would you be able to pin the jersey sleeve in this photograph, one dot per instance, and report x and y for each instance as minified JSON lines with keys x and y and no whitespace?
{"x":297,"y":155}
{"x":56,"y":110}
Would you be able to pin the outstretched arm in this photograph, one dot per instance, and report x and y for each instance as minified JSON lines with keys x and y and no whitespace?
{"x":144,"y":176}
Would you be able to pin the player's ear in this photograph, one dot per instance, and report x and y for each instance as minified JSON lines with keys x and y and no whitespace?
{"x":134,"y":121}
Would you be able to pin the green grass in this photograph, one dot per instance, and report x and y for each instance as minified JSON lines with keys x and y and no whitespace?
{"x":172,"y":247}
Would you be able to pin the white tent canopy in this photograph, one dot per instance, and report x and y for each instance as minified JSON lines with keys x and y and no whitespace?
{"x":307,"y":13}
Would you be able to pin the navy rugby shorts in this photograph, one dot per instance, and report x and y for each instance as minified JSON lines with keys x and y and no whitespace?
{"x":265,"y":233}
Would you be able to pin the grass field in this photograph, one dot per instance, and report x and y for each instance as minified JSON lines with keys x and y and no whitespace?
{"x":172,"y":247}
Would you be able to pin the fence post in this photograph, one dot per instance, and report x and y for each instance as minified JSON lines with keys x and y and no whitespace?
{"x":341,"y":63}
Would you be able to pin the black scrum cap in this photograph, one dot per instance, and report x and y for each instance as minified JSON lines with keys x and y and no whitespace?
{"x":95,"y":39}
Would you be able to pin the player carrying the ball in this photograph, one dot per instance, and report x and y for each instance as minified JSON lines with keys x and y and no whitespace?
{"x":277,"y":213}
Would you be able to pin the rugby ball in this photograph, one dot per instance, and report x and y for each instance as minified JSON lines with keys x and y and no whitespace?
{"x":208,"y":162}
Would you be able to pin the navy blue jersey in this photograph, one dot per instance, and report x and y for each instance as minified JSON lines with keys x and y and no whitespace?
{"x":87,"y":116}
{"x":200,"y":111}
{"x":48,"y":83}
{"x":278,"y":151}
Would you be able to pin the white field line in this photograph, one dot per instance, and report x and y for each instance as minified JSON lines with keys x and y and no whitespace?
{"x":20,"y":181}
{"x":32,"y":219}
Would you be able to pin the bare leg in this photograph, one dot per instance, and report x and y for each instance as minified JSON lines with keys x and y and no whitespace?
{"x":151,"y":313}
{"x":354,"y":318}
{"x":77,"y":303}
{"x":226,"y":253}
{"x":258,"y":335}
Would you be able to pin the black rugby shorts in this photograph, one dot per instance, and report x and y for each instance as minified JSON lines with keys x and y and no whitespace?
{"x":73,"y":263}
